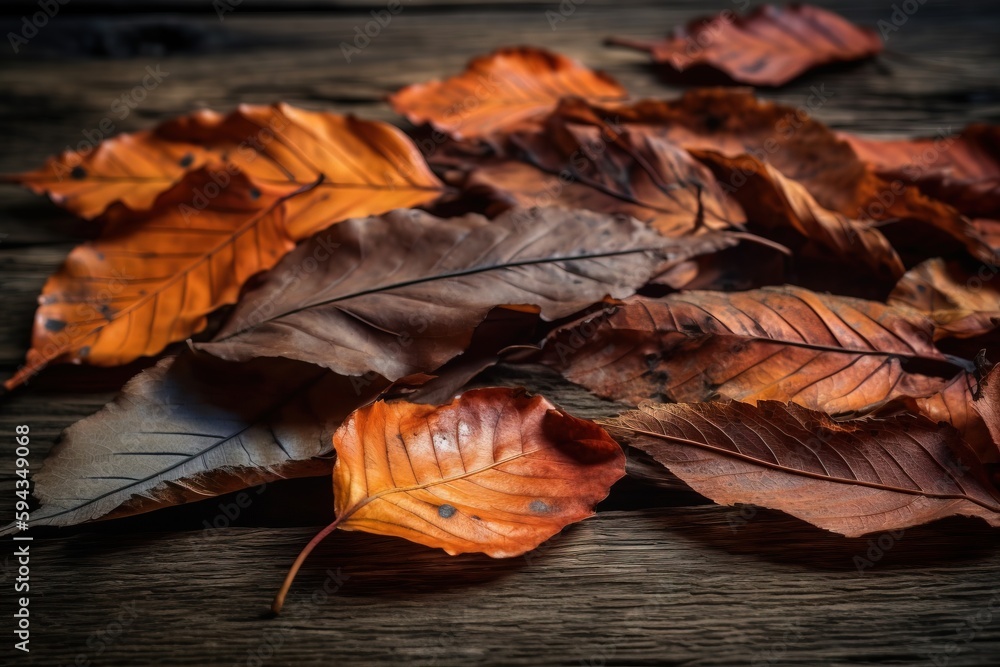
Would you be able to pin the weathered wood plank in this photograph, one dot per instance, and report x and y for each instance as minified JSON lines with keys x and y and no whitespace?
{"x":672,"y":586}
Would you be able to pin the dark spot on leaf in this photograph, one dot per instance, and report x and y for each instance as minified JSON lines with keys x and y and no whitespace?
{"x":84,"y":351}
{"x":106,"y":311}
{"x":921,"y":288}
{"x":539,"y":506}
{"x":873,"y":432}
{"x":446,"y":511}
{"x":476,"y":517}
{"x":254,"y":193}
{"x":55,"y":325}
{"x":186,"y":161}
{"x":79,"y":173}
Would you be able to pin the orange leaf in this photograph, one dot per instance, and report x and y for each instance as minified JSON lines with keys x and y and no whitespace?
{"x":501,"y":90}
{"x":366,"y":167}
{"x":494,"y":471}
{"x":131,"y":168}
{"x":768,"y":47}
{"x":153,"y":276}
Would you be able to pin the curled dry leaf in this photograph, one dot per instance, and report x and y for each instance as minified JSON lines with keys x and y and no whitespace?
{"x":502,"y":90}
{"x":402,"y":293}
{"x":153,"y":276}
{"x":783,"y":207}
{"x":735,"y":123}
{"x":962,"y":170}
{"x":987,"y":406}
{"x":194,"y":427}
{"x":962,"y":302}
{"x":830,"y":353}
{"x":768,"y":47}
{"x":854,"y":478}
{"x":366,"y":167}
{"x":600,"y":167}
{"x":494,"y":471}
{"x":954,"y":406}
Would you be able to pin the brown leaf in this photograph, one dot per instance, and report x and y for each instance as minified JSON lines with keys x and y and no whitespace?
{"x":954,"y":405}
{"x":962,"y":303}
{"x":153,"y":276}
{"x":779,"y":205}
{"x":500,"y":91}
{"x":190,"y":428}
{"x":735,"y":123}
{"x":366,"y":167}
{"x":768,"y":47}
{"x":836,"y":354}
{"x":494,"y":471}
{"x":402,"y":293}
{"x":854,"y":478}
{"x":987,"y":405}
{"x":599,"y":167}
{"x":962,"y":170}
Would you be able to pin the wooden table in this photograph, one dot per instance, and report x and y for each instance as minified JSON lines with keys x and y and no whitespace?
{"x":658,"y":577}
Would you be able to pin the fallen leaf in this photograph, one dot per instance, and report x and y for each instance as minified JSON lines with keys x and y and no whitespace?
{"x":402,"y":293}
{"x":366,"y":167}
{"x":494,"y":471}
{"x":768,"y":47}
{"x":962,"y":170}
{"x":599,"y":167}
{"x":735,"y":123}
{"x":133,"y":169}
{"x":962,"y":303}
{"x":855,"y":478}
{"x":194,"y":427}
{"x":954,"y":406}
{"x":777,"y":204}
{"x":153,"y":276}
{"x":836,"y":354}
{"x":987,"y":406}
{"x":502,"y":90}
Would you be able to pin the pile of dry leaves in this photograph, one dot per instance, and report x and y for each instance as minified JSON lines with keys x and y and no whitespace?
{"x":797,"y":315}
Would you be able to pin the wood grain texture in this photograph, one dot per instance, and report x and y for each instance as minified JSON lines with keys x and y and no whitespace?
{"x":675,"y":585}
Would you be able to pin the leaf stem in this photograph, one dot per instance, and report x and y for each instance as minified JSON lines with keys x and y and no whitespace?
{"x":279,"y":599}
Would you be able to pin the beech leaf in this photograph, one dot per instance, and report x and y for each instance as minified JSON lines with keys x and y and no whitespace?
{"x":494,"y":471}
{"x":768,"y":47}
{"x":502,"y":90}
{"x":402,"y":293}
{"x":836,"y":354}
{"x":855,"y":477}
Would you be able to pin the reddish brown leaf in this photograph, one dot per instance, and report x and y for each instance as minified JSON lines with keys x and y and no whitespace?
{"x":963,"y":303}
{"x":768,"y":47}
{"x":962,"y":170}
{"x":954,"y":405}
{"x":735,"y":123}
{"x":987,"y":406}
{"x":781,"y":206}
{"x":500,"y":91}
{"x":854,"y":478}
{"x":598,"y":167}
{"x":835,"y":354}
{"x":494,"y":471}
